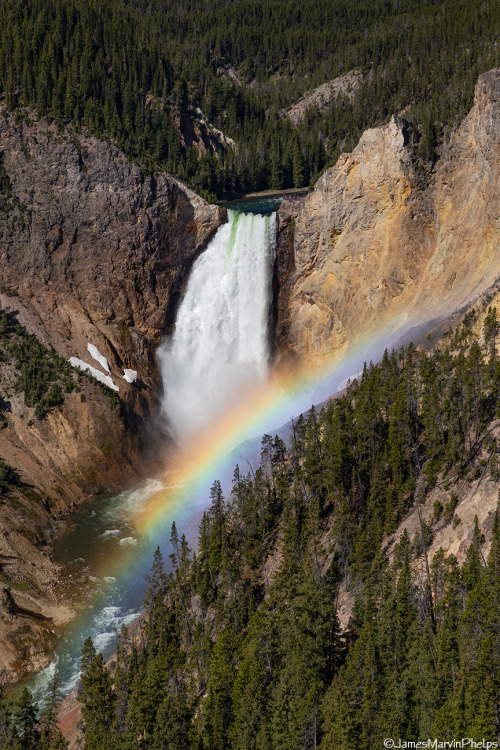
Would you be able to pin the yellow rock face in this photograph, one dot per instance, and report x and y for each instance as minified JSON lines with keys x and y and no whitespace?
{"x":377,"y":242}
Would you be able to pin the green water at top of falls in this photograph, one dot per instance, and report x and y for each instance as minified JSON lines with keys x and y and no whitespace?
{"x":260,"y":205}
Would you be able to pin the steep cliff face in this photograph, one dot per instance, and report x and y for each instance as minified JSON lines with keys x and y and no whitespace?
{"x":377,"y":243}
{"x":92,"y":250}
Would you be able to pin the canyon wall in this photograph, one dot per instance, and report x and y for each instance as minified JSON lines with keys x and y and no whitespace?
{"x":381,"y":242}
{"x":92,"y":251}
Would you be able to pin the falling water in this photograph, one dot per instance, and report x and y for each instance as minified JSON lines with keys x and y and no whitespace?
{"x":220,"y":345}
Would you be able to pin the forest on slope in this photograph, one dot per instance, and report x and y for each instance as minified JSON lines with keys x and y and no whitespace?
{"x":242,"y":647}
{"x":136,"y":70}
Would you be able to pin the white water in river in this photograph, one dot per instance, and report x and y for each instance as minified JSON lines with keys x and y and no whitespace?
{"x":220,"y":344}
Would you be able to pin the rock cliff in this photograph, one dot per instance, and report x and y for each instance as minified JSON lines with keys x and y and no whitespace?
{"x":380,"y":243}
{"x":93,"y":251}
{"x":320,"y":97}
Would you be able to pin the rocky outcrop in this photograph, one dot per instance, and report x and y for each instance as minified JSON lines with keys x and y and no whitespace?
{"x":474,"y":496}
{"x":346,"y":85}
{"x":31,"y":607}
{"x":197,"y":130}
{"x":377,"y":243}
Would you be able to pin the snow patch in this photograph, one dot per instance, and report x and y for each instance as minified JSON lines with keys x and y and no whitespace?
{"x":128,"y":540}
{"x":96,"y":354}
{"x":97,"y":374}
{"x":130,"y":375}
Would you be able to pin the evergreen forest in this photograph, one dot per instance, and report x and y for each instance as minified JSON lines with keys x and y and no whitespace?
{"x":241,"y":647}
{"x":136,"y":71}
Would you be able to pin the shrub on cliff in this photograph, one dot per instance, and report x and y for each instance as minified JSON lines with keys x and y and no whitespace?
{"x":8,"y":475}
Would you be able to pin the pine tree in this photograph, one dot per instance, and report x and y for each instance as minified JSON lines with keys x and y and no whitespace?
{"x":97,"y":699}
{"x":50,"y":734}
{"x":25,"y":735}
{"x":218,"y":708}
{"x":490,"y":331}
{"x":155,"y":595}
{"x":172,"y":723}
{"x":298,"y":170}
{"x":473,"y":568}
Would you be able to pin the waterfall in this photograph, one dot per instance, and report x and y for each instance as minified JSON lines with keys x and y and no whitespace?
{"x":220,"y":344}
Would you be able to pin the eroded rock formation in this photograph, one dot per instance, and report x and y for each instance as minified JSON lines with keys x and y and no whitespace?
{"x":346,"y":85}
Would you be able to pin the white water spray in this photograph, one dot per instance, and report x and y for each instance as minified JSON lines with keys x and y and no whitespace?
{"x":220,"y":344}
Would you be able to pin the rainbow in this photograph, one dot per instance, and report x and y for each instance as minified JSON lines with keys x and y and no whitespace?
{"x":289,"y":391}
{"x":189,"y":472}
